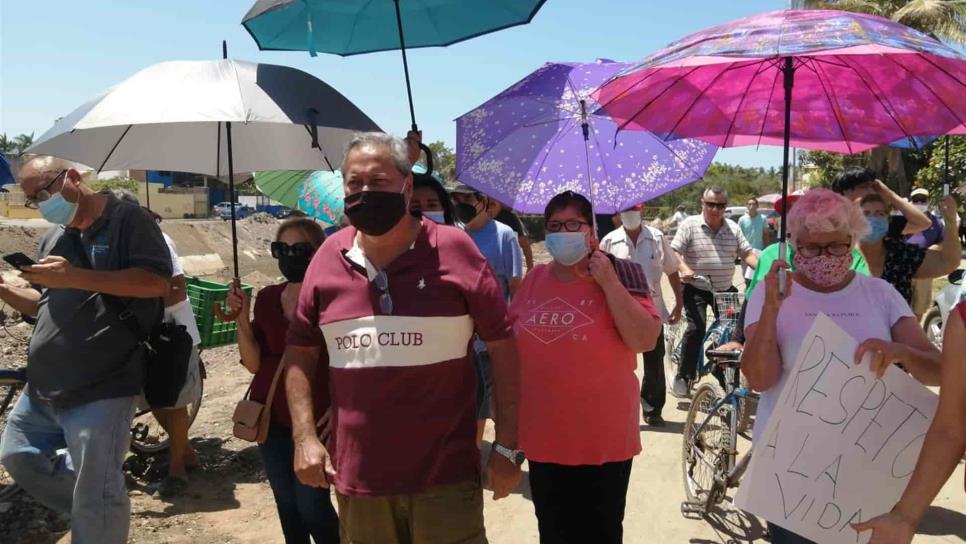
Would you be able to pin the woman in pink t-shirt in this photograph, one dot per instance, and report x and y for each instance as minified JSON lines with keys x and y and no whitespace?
{"x":579,"y":330}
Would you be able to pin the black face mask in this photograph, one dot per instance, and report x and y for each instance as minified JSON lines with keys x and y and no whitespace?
{"x":466,"y":212}
{"x":293,"y":267}
{"x":375,"y":212}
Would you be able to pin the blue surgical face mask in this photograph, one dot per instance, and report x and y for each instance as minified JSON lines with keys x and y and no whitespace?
{"x":438,"y":217}
{"x":58,"y":210}
{"x":567,"y":248}
{"x":880,"y":226}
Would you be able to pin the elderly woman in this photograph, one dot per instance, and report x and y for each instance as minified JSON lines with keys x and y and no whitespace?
{"x":944,"y":446}
{"x":824,"y":227}
{"x":579,"y":325}
{"x":898,"y":262}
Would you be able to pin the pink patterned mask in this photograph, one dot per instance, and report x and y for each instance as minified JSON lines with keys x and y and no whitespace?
{"x":824,"y":270}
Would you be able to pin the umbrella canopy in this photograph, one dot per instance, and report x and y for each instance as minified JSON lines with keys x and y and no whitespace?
{"x":172,"y":116}
{"x":318,"y":193}
{"x":539,"y":138}
{"x":352,"y":27}
{"x":860,"y":81}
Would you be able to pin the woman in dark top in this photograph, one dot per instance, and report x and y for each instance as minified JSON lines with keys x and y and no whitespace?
{"x":898,"y":262}
{"x":302,"y":510}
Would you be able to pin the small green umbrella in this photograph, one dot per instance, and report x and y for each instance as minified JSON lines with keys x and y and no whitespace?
{"x":318,"y":193}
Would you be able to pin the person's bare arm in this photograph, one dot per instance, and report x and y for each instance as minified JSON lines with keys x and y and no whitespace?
{"x":527,"y":251}
{"x":916,"y":221}
{"x":751,"y":259}
{"x":251,"y":353}
{"x":943,"y":447}
{"x":942,"y":260}
{"x":909,"y":347}
{"x":57,"y":273}
{"x":638,"y":329}
{"x":503,"y":475}
{"x":178,"y":291}
{"x":514,"y":284}
{"x":761,"y":361}
{"x":22,"y":299}
{"x":674,"y":278}
{"x":312,"y":463}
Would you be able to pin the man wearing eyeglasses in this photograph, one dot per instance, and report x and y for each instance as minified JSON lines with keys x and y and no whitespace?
{"x":708,"y":245}
{"x":84,"y":367}
{"x":396,"y":300}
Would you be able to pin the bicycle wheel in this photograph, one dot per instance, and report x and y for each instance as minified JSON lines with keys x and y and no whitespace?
{"x":673,"y":334}
{"x":707,"y":452}
{"x":147,"y":435}
{"x":747,"y":407}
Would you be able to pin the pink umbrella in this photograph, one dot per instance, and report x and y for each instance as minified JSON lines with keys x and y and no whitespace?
{"x":828,"y":80}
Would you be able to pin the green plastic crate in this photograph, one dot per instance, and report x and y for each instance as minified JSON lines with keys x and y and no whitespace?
{"x":203,"y":294}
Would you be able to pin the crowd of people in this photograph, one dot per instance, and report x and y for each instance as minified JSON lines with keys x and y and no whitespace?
{"x":392,"y":341}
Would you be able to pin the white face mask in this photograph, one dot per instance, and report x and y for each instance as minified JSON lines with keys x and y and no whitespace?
{"x":631,"y":219}
{"x":922,"y":207}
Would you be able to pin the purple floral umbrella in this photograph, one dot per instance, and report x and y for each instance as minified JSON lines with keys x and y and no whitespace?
{"x":539,"y":138}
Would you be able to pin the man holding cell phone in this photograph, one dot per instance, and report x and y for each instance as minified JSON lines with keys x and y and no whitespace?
{"x":85,"y":366}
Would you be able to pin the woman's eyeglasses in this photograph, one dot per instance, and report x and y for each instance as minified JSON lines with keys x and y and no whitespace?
{"x":839,"y":249}
{"x":381,"y":282}
{"x":569,"y":226}
{"x":300,"y":249}
{"x":33,"y":202}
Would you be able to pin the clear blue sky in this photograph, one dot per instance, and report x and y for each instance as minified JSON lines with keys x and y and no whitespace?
{"x":56,"y":54}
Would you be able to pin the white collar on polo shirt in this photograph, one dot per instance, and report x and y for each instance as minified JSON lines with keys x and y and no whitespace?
{"x":357,"y":256}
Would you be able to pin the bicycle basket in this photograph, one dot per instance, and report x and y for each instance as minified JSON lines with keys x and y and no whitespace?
{"x":728,"y":306}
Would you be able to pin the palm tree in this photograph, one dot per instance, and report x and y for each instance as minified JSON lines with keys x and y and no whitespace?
{"x":22,"y":142}
{"x":6,"y":144}
{"x":942,"y":19}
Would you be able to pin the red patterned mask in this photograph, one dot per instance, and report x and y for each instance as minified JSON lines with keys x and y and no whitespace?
{"x":824,"y":270}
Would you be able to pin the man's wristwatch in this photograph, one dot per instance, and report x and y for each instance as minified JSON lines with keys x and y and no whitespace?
{"x":517,"y":457}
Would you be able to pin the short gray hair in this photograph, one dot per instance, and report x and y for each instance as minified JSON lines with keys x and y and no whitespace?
{"x":126,"y":196}
{"x":716,"y":190}
{"x":397,"y":148}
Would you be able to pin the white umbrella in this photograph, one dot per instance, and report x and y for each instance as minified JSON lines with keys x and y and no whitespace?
{"x":173,"y":115}
{"x":198,"y":116}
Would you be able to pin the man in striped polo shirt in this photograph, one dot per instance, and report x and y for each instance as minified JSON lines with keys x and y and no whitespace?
{"x":708,"y":244}
{"x":395,"y":300}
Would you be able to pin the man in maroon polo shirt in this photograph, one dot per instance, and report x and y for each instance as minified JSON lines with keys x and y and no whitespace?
{"x":395,"y":300}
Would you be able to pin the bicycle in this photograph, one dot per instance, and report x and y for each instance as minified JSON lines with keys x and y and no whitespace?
{"x":727,"y":305}
{"x":709,"y":456}
{"x":147,"y":436}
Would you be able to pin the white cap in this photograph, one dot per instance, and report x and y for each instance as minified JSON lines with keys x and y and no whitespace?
{"x":919,"y":192}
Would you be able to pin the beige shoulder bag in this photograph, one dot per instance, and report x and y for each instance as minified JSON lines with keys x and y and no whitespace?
{"x":252,"y":418}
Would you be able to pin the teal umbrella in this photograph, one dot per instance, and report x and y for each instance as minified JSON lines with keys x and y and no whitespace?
{"x":318,"y":193}
{"x":352,"y":27}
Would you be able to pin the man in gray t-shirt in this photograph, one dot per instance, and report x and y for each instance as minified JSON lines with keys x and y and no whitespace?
{"x":84,"y":366}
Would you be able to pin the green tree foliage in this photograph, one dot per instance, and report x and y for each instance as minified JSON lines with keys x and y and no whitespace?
{"x":942,"y":19}
{"x":823,"y":166}
{"x":116,"y":183}
{"x":444,"y":161}
{"x":16,"y":145}
{"x":932,"y":176}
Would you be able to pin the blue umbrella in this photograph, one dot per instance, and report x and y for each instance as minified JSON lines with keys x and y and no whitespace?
{"x":352,"y":27}
{"x":5,"y":175}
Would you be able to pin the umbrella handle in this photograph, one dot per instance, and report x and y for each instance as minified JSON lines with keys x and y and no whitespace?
{"x":218,"y":308}
{"x":429,"y":157}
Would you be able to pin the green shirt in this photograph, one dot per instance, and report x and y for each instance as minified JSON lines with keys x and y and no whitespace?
{"x":770,"y":254}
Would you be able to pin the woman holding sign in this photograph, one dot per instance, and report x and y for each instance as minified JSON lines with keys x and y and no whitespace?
{"x":944,"y":446}
{"x":824,"y":228}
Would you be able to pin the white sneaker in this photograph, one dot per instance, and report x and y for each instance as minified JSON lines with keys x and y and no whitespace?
{"x":680,"y":388}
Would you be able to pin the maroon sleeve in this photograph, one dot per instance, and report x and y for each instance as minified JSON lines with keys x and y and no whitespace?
{"x":258,"y":317}
{"x":488,"y":307}
{"x":304,"y":329}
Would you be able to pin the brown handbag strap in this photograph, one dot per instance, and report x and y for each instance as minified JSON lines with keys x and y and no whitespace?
{"x":271,"y":390}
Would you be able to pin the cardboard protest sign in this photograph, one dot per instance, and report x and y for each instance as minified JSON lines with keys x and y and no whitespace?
{"x":840,"y":445}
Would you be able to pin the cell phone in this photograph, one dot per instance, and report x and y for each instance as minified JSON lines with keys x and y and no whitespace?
{"x":19,"y":260}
